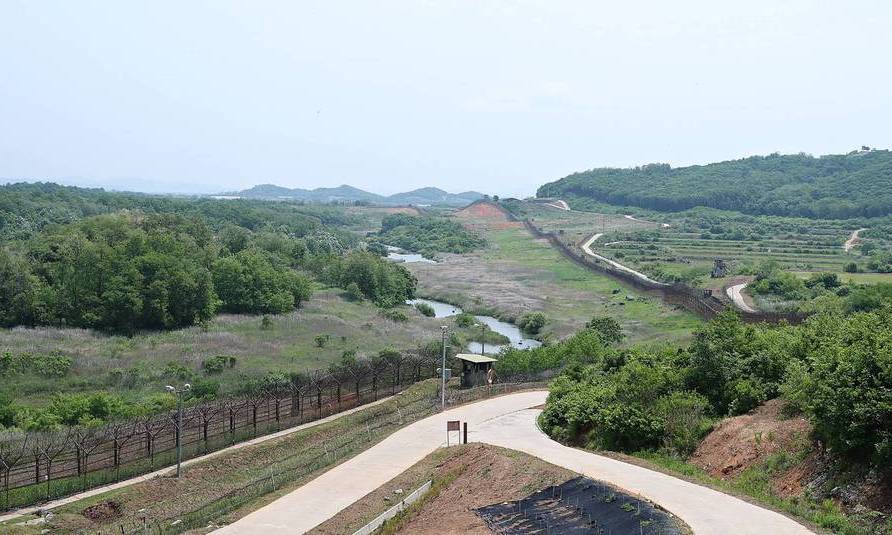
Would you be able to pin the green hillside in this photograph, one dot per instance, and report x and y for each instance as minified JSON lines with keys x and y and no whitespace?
{"x":858,"y":184}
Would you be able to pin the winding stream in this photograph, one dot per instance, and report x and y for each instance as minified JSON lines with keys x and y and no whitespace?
{"x":509,"y":330}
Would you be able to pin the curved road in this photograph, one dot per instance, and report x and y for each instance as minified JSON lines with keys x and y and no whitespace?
{"x":507,"y":421}
{"x":587,"y":247}
{"x":734,"y":293}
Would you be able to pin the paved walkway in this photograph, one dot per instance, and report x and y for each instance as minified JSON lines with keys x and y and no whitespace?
{"x":587,"y":248}
{"x":707,"y":511}
{"x":734,"y":293}
{"x":169,"y":470}
{"x":504,"y":421}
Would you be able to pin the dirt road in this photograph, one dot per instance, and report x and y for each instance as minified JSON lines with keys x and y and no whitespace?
{"x":510,"y":422}
{"x":587,"y":247}
{"x":734,"y":293}
{"x":853,"y":240}
{"x":560,"y":205}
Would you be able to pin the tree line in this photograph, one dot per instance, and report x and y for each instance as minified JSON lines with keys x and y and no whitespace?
{"x":428,"y":235}
{"x":133,"y":270}
{"x":857,"y":184}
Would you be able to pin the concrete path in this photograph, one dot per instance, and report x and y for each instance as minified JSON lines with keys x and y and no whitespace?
{"x":705,"y":510}
{"x":504,"y":421}
{"x":587,"y":247}
{"x":853,"y":240}
{"x":30,"y":510}
{"x":734,"y":293}
{"x":328,"y":494}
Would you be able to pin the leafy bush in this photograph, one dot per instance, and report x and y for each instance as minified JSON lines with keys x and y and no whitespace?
{"x":354,"y":293}
{"x":532,"y":322}
{"x":610,"y":331}
{"x":215,"y":364}
{"x":395,"y":315}
{"x":465,"y":320}
{"x":428,"y":234}
{"x":425,"y":309}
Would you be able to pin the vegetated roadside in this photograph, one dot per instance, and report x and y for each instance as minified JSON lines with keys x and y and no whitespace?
{"x":231,"y":484}
{"x":516,"y":274}
{"x":819,"y":448}
{"x":464,"y":478}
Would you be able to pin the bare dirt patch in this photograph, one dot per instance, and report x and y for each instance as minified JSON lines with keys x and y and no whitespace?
{"x":483,"y":475}
{"x":746,"y":441}
{"x":487,"y":216}
{"x":103,"y":512}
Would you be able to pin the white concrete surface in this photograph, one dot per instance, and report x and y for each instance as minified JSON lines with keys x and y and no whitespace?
{"x":331,"y":492}
{"x":853,"y":240}
{"x":734,"y":293}
{"x":510,"y":422}
{"x":587,"y":248}
{"x":705,"y":510}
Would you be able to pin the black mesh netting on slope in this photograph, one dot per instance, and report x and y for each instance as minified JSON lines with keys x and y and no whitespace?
{"x":579,"y":506}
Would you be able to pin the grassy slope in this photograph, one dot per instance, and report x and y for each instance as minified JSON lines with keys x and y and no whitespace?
{"x":657,"y":321}
{"x":286,"y":346}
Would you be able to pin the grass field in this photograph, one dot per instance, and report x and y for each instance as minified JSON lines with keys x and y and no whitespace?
{"x":858,"y":278}
{"x":517,"y":273}
{"x":144,"y":363}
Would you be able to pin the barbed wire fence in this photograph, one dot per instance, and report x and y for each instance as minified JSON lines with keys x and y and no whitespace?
{"x":363,"y":428}
{"x":40,"y":466}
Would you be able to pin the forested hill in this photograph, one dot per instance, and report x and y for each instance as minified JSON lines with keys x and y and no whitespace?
{"x":858,"y":184}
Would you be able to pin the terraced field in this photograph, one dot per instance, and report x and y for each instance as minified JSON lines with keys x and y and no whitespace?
{"x":683,"y":246}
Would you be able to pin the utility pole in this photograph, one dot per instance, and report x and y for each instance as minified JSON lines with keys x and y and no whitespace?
{"x":482,"y":338}
{"x":444,"y":329}
{"x":179,"y":393}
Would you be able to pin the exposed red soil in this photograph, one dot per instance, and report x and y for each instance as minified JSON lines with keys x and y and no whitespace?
{"x":486,"y":215}
{"x":487,"y":475}
{"x":744,"y":441}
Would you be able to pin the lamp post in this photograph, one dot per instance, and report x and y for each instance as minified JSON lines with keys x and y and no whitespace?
{"x":444,"y":329}
{"x":482,"y":337}
{"x":179,"y":393}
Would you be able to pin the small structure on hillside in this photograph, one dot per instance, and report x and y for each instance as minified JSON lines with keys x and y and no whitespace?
{"x":476,"y":370}
{"x":719,"y":269}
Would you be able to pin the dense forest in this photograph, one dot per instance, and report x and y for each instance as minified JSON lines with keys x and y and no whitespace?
{"x":858,"y":184}
{"x":160,"y":263}
{"x":428,"y":235}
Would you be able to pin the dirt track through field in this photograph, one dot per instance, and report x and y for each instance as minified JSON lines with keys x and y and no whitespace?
{"x":734,"y":293}
{"x":587,"y":247}
{"x":854,"y":240}
{"x":508,"y":421}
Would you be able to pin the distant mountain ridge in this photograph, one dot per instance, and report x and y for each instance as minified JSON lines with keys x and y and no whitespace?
{"x":347,"y":193}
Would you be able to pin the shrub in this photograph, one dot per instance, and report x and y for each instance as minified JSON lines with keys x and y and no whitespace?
{"x":465,"y":320}
{"x":215,"y":364}
{"x":532,"y":322}
{"x":354,"y":293}
{"x":395,"y":315}
{"x":425,"y":309}
{"x":321,"y":340}
{"x":610,"y":331}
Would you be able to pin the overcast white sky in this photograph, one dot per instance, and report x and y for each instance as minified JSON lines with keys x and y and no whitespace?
{"x":497,"y":96}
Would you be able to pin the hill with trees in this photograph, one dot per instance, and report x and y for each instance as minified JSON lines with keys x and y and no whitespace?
{"x":349,"y":194}
{"x":858,"y":184}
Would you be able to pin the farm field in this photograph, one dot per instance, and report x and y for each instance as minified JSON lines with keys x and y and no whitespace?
{"x":516,"y":274}
{"x":140,"y":365}
{"x":683,"y":246}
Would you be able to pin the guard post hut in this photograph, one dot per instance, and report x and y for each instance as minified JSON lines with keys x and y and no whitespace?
{"x":475,"y":369}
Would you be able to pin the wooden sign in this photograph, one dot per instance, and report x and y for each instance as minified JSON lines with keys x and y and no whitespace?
{"x":453,"y":425}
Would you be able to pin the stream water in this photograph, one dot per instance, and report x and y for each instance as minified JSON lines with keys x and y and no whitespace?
{"x":399,"y":255}
{"x":509,"y":330}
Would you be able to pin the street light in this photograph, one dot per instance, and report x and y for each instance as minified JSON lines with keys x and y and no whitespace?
{"x":482,"y":337}
{"x":444,"y":329}
{"x":179,"y":393}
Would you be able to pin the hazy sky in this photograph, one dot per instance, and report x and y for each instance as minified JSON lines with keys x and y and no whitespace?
{"x":497,"y":96}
